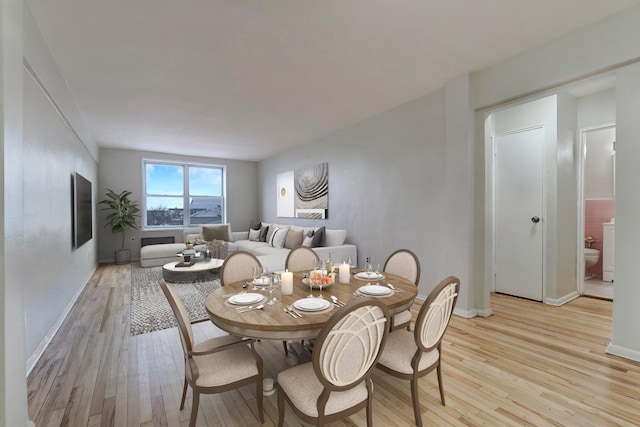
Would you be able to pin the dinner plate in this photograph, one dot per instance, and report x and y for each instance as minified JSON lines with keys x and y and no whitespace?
{"x":376,"y":290}
{"x":245,"y":299}
{"x":311,"y":304}
{"x":261,"y":281}
{"x":369,"y":276}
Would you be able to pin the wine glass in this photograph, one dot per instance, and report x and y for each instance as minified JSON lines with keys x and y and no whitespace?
{"x":321,"y":275}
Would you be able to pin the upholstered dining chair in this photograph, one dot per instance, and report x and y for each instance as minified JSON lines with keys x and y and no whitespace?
{"x":301,"y":259}
{"x":337,"y":382}
{"x":238,"y":266}
{"x":215,"y":365}
{"x":412,"y":355}
{"x":405,"y":264}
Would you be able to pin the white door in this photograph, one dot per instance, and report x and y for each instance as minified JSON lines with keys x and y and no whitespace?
{"x":519,"y":223}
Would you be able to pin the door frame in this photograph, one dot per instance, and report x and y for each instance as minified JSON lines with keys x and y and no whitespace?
{"x":492,"y":197}
{"x":582,"y":141}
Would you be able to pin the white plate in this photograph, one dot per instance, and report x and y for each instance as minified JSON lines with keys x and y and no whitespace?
{"x":369,"y":276}
{"x":312,"y":304}
{"x":374,"y":290}
{"x":245,"y":299}
{"x":261,"y":281}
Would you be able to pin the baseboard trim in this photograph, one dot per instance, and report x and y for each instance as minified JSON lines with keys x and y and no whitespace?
{"x":561,"y":301}
{"x":623,"y":352}
{"x":46,"y":340}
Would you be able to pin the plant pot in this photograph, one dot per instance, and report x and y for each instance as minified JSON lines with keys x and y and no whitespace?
{"x":122,"y":257}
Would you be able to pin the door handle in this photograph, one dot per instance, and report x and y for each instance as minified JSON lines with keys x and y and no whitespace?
{"x":535,"y":219}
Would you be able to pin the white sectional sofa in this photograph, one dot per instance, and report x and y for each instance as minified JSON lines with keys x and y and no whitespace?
{"x":272,"y":254}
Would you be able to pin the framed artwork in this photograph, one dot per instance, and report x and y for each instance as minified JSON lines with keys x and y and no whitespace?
{"x":304,"y":193}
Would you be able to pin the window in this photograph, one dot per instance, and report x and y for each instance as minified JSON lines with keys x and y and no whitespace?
{"x":181,"y":195}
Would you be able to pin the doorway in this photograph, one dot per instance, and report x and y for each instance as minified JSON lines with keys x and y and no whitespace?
{"x":597,"y":200}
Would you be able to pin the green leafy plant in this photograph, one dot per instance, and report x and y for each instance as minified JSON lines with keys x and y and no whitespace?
{"x":124,"y":212}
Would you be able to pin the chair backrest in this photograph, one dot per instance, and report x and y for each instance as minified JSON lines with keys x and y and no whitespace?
{"x":301,"y":259}
{"x":405,"y":264}
{"x":350,"y":343}
{"x":182,"y":318}
{"x":435,"y":314}
{"x":238,"y":266}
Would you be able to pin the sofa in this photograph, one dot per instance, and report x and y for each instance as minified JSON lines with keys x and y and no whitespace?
{"x":271,"y":248}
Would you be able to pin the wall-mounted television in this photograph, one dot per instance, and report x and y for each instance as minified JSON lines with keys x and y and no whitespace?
{"x":82,"y":211}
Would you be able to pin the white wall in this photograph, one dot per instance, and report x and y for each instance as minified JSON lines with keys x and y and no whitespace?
{"x":597,"y":109}
{"x":53,"y":151}
{"x":626,"y":316}
{"x":43,"y":146}
{"x":13,"y":393}
{"x":387,"y":185}
{"x":122,"y":170}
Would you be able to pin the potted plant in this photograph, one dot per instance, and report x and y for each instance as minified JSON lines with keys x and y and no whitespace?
{"x":122,"y":217}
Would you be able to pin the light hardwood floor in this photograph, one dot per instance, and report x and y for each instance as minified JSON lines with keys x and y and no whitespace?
{"x":528,"y":364}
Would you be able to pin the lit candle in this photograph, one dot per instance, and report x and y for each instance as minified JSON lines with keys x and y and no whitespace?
{"x":344,"y":270}
{"x":286,"y":283}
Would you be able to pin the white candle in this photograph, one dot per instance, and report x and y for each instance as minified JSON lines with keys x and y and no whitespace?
{"x":344,"y":270}
{"x":286,"y":283}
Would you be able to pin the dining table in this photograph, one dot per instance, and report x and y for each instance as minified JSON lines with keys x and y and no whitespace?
{"x":278,"y":322}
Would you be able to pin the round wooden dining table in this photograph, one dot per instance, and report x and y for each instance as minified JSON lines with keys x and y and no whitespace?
{"x":272,"y":322}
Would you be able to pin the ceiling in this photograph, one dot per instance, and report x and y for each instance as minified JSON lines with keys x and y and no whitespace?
{"x":246,"y":79}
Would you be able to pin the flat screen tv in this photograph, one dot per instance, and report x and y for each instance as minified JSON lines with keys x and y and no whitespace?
{"x":82,"y":211}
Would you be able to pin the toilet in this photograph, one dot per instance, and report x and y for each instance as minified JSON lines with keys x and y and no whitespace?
{"x":591,"y":257}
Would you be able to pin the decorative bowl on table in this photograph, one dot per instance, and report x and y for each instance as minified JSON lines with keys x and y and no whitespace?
{"x":318,"y":277}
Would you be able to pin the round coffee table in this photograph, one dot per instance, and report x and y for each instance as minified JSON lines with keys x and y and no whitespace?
{"x":200,"y":270}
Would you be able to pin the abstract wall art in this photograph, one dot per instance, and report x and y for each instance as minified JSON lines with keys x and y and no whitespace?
{"x":304,"y":193}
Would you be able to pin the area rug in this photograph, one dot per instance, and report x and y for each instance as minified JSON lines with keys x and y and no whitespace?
{"x":150,"y":310}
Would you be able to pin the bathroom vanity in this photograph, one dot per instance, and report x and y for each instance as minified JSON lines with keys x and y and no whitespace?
{"x":608,"y":251}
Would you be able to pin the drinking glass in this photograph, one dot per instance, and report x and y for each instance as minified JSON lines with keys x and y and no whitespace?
{"x":273,"y":283}
{"x":256,"y":272}
{"x":310,"y":279}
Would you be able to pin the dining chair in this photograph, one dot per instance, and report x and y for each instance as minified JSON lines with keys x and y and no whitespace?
{"x":301,"y":259}
{"x":412,"y":355}
{"x":337,"y":381}
{"x":215,"y":365}
{"x":405,"y":264}
{"x":238,"y":266}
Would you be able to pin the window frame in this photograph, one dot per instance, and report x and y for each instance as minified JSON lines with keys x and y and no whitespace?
{"x":186,"y":197}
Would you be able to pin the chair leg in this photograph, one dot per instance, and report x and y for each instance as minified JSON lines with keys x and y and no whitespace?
{"x":416,"y":402}
{"x":440,"y":385}
{"x":259,"y":399}
{"x":286,"y":348}
{"x":184,"y":393}
{"x":369,"y":411}
{"x":280,"y":407}
{"x":194,"y":408}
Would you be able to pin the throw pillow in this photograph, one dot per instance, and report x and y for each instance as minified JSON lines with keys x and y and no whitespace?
{"x":334,"y":237}
{"x":293,"y":240}
{"x":263,"y":233}
{"x":256,"y":225}
{"x":318,"y":238}
{"x":308,"y":239}
{"x":272,"y":229}
{"x":278,"y":237}
{"x":254,"y":235}
{"x":215,"y":232}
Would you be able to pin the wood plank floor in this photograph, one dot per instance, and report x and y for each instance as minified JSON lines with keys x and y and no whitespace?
{"x":529,"y":364}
